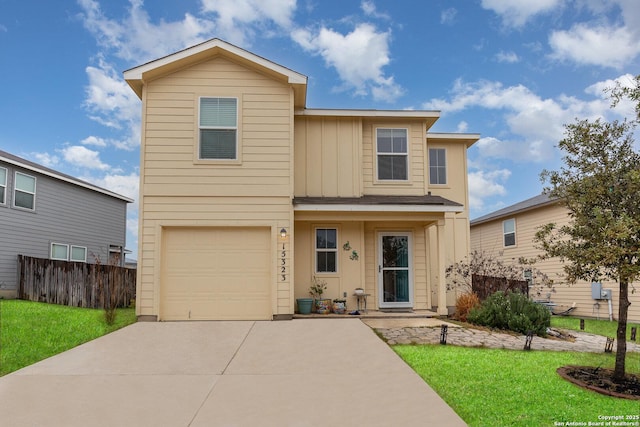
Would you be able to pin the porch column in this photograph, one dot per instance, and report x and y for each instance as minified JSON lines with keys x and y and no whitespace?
{"x":442,"y":283}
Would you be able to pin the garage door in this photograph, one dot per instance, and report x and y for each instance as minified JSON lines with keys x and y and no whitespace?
{"x":216,"y":274}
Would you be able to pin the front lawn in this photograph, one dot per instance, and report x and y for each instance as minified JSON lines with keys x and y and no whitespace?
{"x":492,"y":387}
{"x":593,"y":326}
{"x":31,"y":331}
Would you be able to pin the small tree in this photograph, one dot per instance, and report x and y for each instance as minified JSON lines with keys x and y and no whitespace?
{"x":599,"y":184}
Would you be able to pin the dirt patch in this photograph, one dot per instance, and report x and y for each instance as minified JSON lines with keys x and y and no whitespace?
{"x":599,"y":380}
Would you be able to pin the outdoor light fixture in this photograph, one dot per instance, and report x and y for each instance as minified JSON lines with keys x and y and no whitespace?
{"x":283,"y":233}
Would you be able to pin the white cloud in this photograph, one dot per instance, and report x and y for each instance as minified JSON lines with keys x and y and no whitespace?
{"x":462,"y":127}
{"x":359,"y":58}
{"x":127,"y":185}
{"x":369,"y":9}
{"x":508,"y":57}
{"x":95,"y":141}
{"x":82,"y":157}
{"x":448,"y":16}
{"x":46,"y":159}
{"x":517,"y":13}
{"x":534,"y":124}
{"x":484,"y":184}
{"x":604,"y":46}
{"x":136,"y":38}
{"x":239,"y":20}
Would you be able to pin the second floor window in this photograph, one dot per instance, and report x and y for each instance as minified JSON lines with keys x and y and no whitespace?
{"x":437,"y":166}
{"x":392,"y":152}
{"x":218,"y":129}
{"x":25,"y":191}
{"x":509,"y":231}
{"x":3,"y":186}
{"x":326,"y":250}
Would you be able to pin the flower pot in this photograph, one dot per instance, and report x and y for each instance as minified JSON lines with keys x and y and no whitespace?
{"x":323,"y":306}
{"x":339,"y":306}
{"x":304,"y":305}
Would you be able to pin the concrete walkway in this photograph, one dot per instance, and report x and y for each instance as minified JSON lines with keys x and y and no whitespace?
{"x":289,"y":373}
{"x":427,"y":331}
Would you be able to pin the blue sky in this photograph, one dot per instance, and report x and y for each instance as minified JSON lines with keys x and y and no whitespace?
{"x":513,"y":71}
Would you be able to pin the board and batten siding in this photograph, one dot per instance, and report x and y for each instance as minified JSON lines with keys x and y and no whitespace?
{"x":64,"y":213}
{"x":179,"y":190}
{"x":489,"y":238}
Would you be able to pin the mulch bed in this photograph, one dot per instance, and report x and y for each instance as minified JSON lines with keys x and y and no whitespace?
{"x":599,"y":380}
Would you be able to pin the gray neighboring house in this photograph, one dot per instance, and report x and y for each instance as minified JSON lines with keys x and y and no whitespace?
{"x":47,"y":214}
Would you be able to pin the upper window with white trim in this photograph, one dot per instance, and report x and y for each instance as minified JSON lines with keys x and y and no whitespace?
{"x":218,"y":129}
{"x":392,"y":154}
{"x":25,"y":191}
{"x":437,"y":166}
{"x":3,"y":186}
{"x":509,"y":232}
{"x":326,"y":250}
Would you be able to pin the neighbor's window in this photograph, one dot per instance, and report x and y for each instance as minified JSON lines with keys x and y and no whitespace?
{"x":218,"y":128}
{"x":59,"y":251}
{"x":392,"y":153}
{"x":25,"y":191}
{"x":437,"y":166}
{"x":3,"y":186}
{"x":78,"y":254}
{"x":326,"y":250}
{"x":509,"y":231}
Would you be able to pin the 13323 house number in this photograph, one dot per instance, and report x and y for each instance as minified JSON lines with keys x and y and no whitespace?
{"x":283,"y":266}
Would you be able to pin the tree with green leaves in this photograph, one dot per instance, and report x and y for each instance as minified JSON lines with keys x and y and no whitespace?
{"x":600,"y":186}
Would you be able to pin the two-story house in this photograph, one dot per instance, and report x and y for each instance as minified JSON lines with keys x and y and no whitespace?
{"x":507,"y":234}
{"x":47,"y":214}
{"x":246,"y":194}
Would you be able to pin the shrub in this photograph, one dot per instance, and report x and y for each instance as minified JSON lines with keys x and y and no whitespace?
{"x":512,"y":311}
{"x":464,"y":304}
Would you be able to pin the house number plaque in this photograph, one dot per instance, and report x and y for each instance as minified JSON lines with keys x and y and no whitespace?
{"x":283,"y":266}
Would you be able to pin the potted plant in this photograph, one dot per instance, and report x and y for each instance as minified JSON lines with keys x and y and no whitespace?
{"x":317,"y":288}
{"x":340,"y":306}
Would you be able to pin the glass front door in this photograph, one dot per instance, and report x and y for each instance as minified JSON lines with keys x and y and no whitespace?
{"x":394,"y":270}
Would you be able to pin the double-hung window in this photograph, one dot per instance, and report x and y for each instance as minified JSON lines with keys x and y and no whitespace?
{"x":509,"y":232}
{"x":392,"y":153}
{"x":437,"y":166}
{"x":3,"y":186}
{"x":326,"y":250}
{"x":25,"y":191}
{"x":218,"y":129}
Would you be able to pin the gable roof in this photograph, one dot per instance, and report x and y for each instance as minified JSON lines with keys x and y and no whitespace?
{"x":43,"y":170}
{"x":529,"y":204}
{"x":137,"y":76}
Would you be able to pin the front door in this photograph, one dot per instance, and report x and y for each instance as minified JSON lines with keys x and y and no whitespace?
{"x":395,"y":278}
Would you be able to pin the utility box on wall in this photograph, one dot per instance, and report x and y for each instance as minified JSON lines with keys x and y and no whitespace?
{"x":596,"y":290}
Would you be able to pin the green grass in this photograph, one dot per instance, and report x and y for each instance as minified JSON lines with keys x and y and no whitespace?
{"x":593,"y":326}
{"x":31,"y":331}
{"x":491,"y":387}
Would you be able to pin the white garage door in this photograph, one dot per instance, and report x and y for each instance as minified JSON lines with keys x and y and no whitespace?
{"x":216,"y":274}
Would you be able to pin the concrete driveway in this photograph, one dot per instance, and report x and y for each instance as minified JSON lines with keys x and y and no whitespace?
{"x":286,"y":373}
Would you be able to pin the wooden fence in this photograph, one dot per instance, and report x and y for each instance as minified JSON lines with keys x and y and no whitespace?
{"x":75,"y":284}
{"x":483,"y":286}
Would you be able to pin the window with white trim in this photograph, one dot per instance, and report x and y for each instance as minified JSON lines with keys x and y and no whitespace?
{"x":392,"y":154}
{"x":24,"y":195}
{"x":326,"y":250}
{"x":437,"y":166}
{"x":3,"y":186}
{"x":59,"y":251}
{"x":509,"y":232}
{"x":78,"y":254}
{"x":218,"y":129}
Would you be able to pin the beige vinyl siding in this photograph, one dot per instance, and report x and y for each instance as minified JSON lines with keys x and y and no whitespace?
{"x":489,"y":237}
{"x":178,"y":190}
{"x":327,"y":156}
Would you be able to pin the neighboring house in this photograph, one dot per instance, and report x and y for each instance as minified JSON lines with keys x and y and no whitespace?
{"x":508,"y":234}
{"x":47,"y":214}
{"x":246,"y":194}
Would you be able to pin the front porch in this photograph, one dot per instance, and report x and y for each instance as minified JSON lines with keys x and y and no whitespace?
{"x":373,"y":314}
